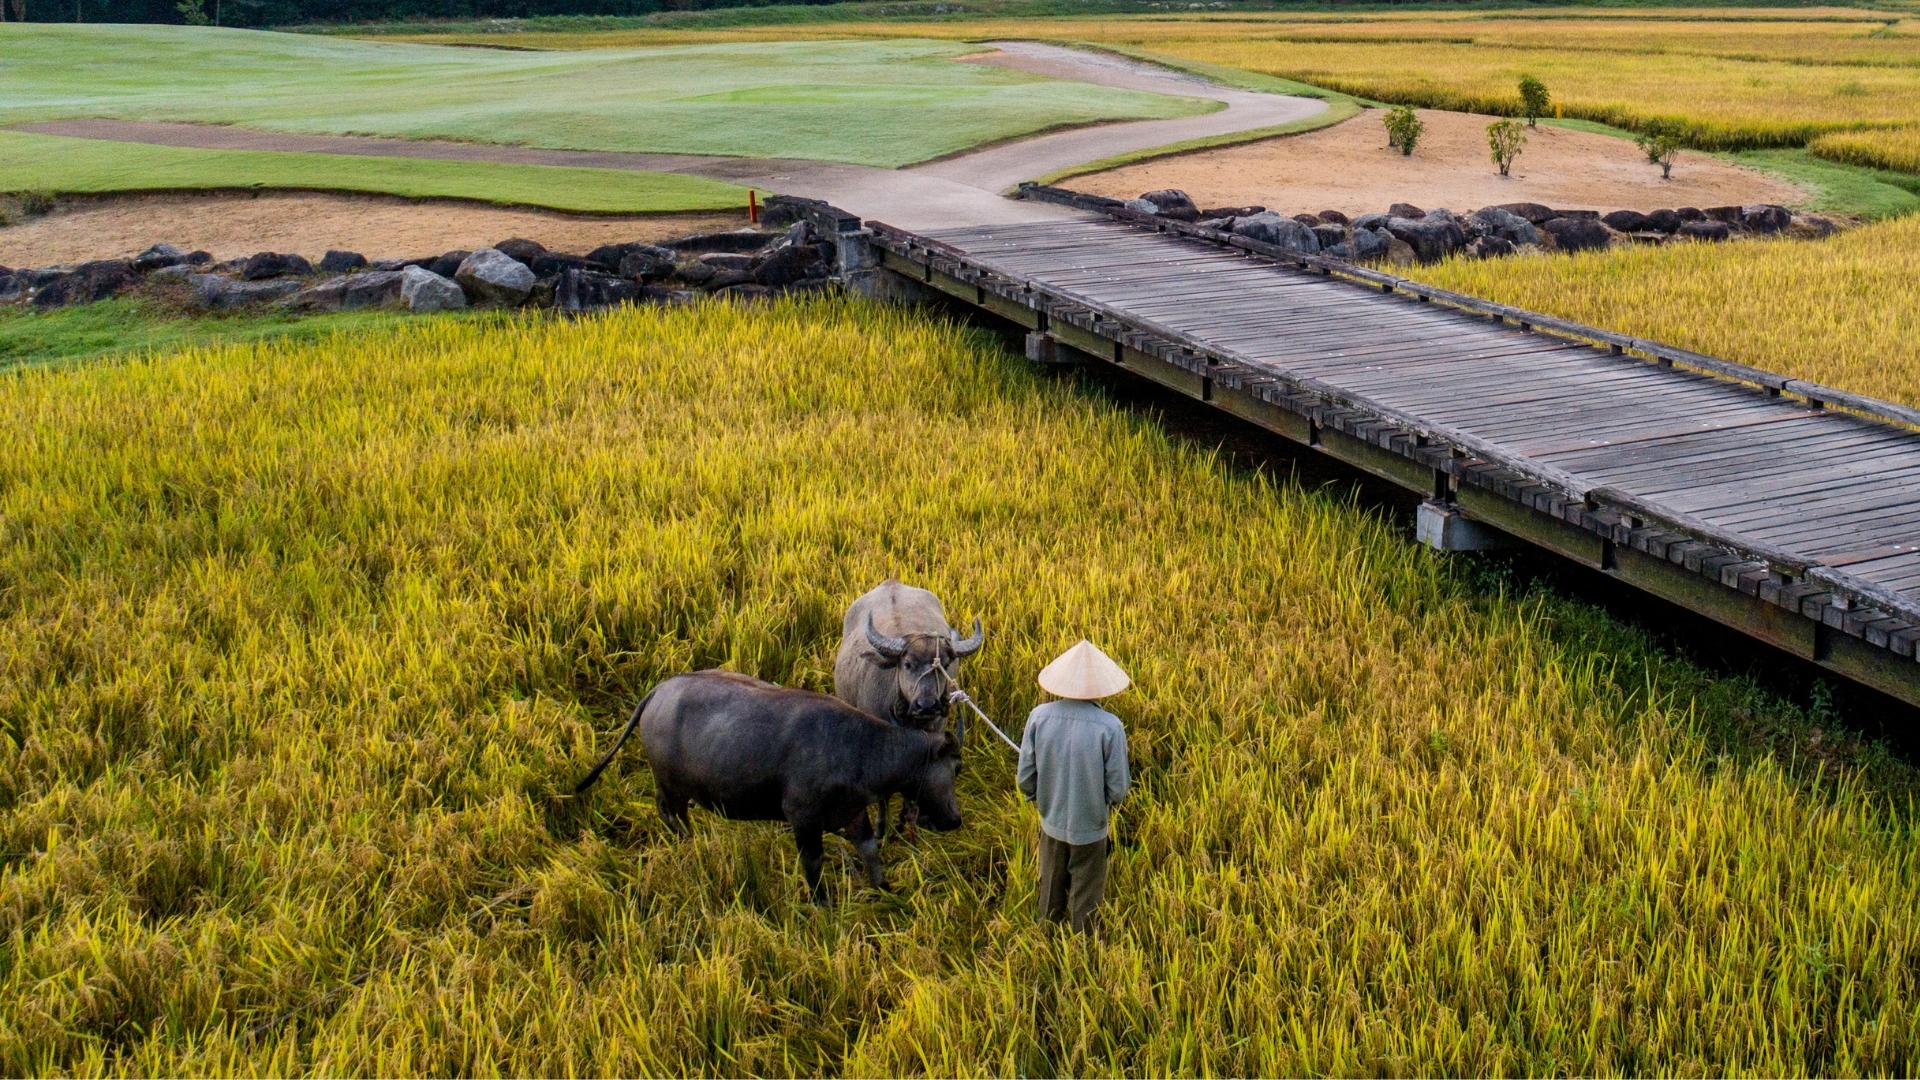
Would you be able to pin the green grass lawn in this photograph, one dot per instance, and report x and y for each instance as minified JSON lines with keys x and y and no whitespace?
{"x":51,"y":163}
{"x":882,"y":103}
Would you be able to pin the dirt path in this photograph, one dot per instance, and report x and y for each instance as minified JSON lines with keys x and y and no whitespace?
{"x":377,"y":226}
{"x":1347,"y":167}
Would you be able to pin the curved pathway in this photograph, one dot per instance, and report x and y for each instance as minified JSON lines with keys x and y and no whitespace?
{"x":964,"y":189}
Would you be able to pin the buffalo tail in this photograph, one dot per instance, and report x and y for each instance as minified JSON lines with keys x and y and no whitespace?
{"x":632,"y":722}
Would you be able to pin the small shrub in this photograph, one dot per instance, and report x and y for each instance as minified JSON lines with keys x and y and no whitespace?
{"x":1661,"y":146}
{"x":1534,"y":99}
{"x":1505,"y":138}
{"x":1403,"y":128}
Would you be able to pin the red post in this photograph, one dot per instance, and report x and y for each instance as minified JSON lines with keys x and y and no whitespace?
{"x":753,"y":207}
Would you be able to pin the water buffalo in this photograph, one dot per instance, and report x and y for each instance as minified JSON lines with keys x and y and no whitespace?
{"x":897,"y":656}
{"x":753,"y":751}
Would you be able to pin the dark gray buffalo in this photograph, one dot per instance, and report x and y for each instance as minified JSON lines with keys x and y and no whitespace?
{"x":753,"y":751}
{"x":898,"y":656}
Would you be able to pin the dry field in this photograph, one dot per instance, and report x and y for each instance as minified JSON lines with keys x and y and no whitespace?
{"x":302,"y":643}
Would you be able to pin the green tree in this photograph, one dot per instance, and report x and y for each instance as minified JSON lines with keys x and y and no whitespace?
{"x":1505,"y":138}
{"x":1403,"y":129}
{"x":193,"y":12}
{"x":1534,"y":99}
{"x":1661,"y":146}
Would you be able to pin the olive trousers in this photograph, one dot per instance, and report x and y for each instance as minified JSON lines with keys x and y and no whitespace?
{"x":1073,"y":878}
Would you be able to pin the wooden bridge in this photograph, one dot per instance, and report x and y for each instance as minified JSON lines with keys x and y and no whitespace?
{"x":1788,"y":510}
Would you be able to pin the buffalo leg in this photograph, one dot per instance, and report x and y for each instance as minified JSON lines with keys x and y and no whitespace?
{"x":859,"y":832}
{"x":811,"y":841}
{"x":673,"y":809}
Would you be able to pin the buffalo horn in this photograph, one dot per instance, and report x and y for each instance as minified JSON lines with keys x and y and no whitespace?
{"x":893,"y":648}
{"x":967,"y":646}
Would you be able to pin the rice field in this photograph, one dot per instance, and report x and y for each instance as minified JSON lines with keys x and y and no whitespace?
{"x":1837,"y":312}
{"x":1897,"y":149}
{"x":302,"y":642}
{"x":1728,"y":79}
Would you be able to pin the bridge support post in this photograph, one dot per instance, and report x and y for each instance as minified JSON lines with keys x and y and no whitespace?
{"x":1442,"y":527}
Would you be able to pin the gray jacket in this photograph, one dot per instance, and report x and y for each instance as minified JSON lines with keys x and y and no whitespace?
{"x":1073,"y":766}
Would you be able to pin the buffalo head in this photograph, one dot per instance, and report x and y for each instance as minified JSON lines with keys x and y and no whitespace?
{"x":932,"y":787}
{"x":923,"y":666}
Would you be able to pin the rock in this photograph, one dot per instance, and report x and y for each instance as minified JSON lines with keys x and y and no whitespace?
{"x":1218,"y":224}
{"x":1232,"y":211}
{"x":1406,"y":210}
{"x":424,"y":291}
{"x":1333,"y":217}
{"x":726,"y":279}
{"x":199,"y":258}
{"x":779,"y":212}
{"x":1626,"y":221}
{"x":87,"y":283}
{"x":1431,"y":239}
{"x":1582,"y":215}
{"x":1728,"y":214}
{"x":1141,"y":206}
{"x":489,"y":276}
{"x":1705,"y":230}
{"x":645,"y":262}
{"x":1690,"y":213}
{"x":341,"y":262}
{"x":1489,"y":247}
{"x":608,"y":257}
{"x":1173,"y":203}
{"x":349,"y":292}
{"x":1307,"y":219}
{"x":1283,"y":232}
{"x":1765,"y":218}
{"x":1376,"y":222}
{"x":521,"y":250}
{"x":445,"y":265}
{"x":1504,"y":225}
{"x":173,"y":274}
{"x":1361,"y":246}
{"x":746,"y":291}
{"x":726,"y":260}
{"x":1577,"y":233}
{"x":1811,"y":227}
{"x":583,"y":290}
{"x":1329,"y":234}
{"x":41,"y":278}
{"x":695,"y":272}
{"x":1665,"y":221}
{"x":552,"y":264}
{"x":797,"y":257}
{"x":158,"y":257}
{"x":11,"y":287}
{"x":273,"y":264}
{"x":219,"y":292}
{"x":739,"y":241}
{"x":1398,"y":251}
{"x":1534,"y":212}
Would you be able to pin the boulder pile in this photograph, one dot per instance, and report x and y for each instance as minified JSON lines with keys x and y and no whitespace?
{"x":1406,"y":233}
{"x":511,"y":273}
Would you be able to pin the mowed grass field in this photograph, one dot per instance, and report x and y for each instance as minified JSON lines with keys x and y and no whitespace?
{"x":51,"y":163}
{"x":303,"y":643}
{"x":1728,"y":78}
{"x":871,"y":103}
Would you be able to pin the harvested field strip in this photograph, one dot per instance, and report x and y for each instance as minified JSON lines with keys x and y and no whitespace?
{"x":1837,"y":311}
{"x":53,"y":164}
{"x":302,"y":641}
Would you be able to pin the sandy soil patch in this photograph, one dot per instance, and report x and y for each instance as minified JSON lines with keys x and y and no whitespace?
{"x":1347,"y":167}
{"x":310,"y":224}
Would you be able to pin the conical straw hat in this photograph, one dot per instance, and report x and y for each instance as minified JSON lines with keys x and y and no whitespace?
{"x":1083,"y":673}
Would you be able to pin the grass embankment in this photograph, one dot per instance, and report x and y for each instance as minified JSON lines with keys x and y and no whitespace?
{"x":125,"y":327}
{"x":304,"y":640}
{"x":1839,"y":311}
{"x":882,"y":103}
{"x":50,"y":163}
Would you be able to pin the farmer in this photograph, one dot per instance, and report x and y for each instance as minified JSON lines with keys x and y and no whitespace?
{"x":1073,"y":766}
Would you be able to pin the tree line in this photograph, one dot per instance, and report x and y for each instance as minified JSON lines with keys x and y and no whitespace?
{"x":294,"y":12}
